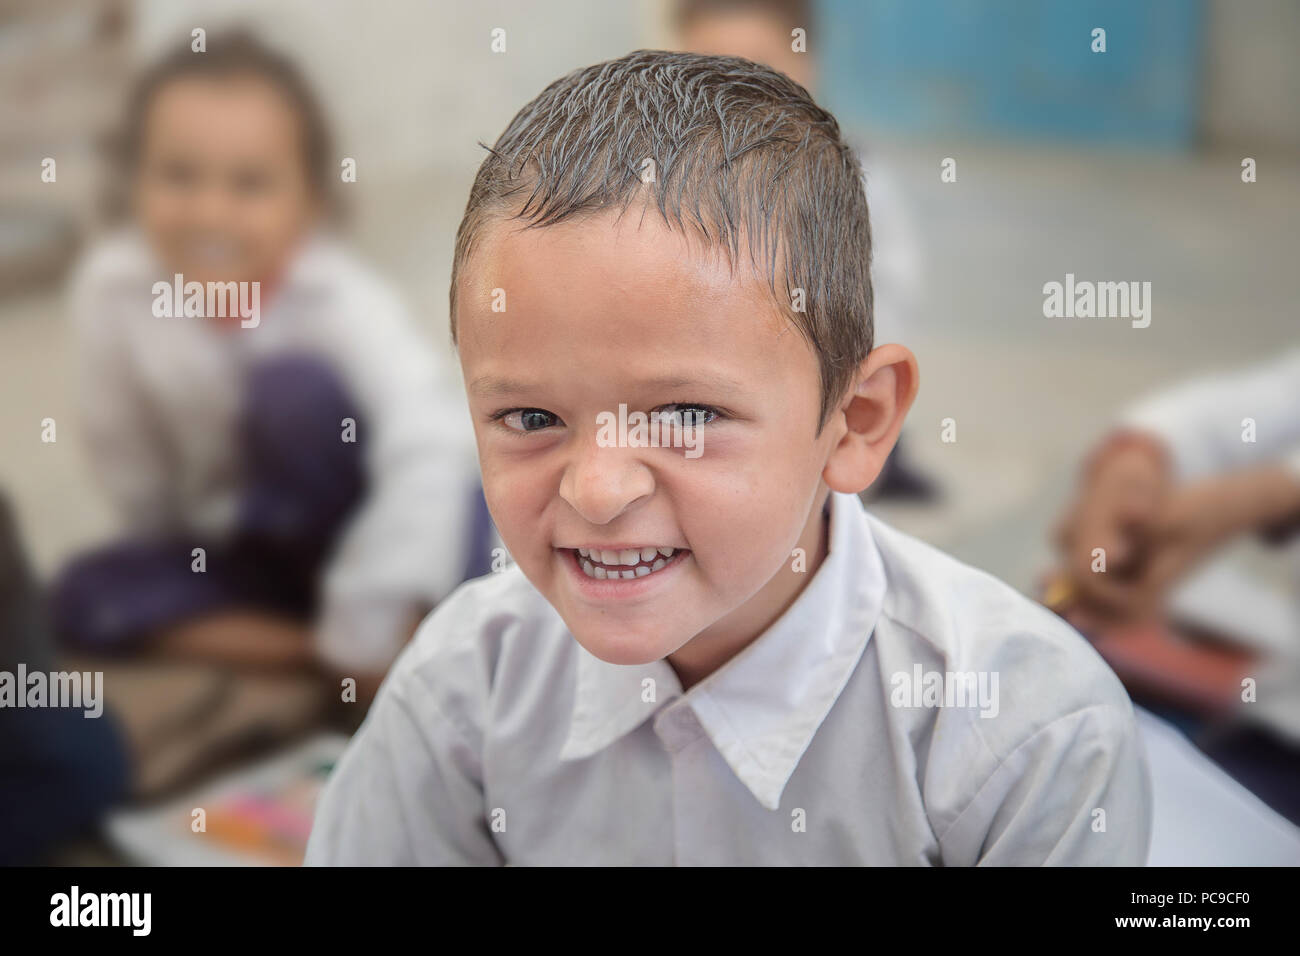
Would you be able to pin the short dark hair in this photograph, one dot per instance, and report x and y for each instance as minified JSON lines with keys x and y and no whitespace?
{"x":741,"y":152}
{"x":230,"y":55}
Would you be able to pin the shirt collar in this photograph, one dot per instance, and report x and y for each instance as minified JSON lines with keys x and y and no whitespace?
{"x":762,"y":708}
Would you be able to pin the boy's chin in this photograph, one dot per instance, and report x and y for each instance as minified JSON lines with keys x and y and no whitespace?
{"x":615,"y":645}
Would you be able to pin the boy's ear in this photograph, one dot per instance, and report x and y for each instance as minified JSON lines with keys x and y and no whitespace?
{"x":870,"y":418}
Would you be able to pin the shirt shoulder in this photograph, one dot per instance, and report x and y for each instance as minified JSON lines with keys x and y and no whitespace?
{"x":965,"y":621}
{"x":118,"y":265}
{"x":477,"y":648}
{"x":328,"y":276}
{"x":410,"y":787}
{"x":337,"y":305}
{"x":1051,"y":740}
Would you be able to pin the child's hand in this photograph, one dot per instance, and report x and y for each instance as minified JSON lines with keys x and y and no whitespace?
{"x":1202,"y":516}
{"x":1187,"y":524}
{"x":1125,"y":488}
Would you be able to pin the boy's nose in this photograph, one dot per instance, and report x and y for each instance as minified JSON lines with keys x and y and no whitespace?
{"x":602,"y":483}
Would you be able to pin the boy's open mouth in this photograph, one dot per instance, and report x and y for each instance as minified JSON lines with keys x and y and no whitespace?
{"x":625,"y":564}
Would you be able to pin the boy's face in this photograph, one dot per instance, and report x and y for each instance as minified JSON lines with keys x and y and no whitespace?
{"x":601,"y":312}
{"x":221,"y":189}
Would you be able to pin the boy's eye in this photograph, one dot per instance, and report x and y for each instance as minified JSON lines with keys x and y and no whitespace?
{"x":528,"y":419}
{"x":688,"y":414}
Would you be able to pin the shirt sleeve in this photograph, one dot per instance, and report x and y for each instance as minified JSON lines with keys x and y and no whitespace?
{"x":1076,"y":793}
{"x":408,"y":791}
{"x":1218,"y":423}
{"x":122,"y":441}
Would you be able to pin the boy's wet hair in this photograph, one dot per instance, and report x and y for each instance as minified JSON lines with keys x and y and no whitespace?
{"x":743,"y":158}
{"x":236,"y":54}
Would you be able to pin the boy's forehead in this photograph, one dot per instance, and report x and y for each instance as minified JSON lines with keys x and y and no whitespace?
{"x":621,"y":301}
{"x":603,"y":260}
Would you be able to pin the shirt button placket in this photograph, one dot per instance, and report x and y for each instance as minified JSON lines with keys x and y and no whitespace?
{"x":677,"y":728}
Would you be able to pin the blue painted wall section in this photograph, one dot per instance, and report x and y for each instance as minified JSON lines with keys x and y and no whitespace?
{"x":1018,"y":67}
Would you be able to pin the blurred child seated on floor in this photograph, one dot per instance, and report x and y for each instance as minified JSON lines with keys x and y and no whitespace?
{"x":298,"y":485}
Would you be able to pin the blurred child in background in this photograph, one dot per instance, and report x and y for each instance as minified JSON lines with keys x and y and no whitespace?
{"x":316,"y":452}
{"x":1186,"y":472}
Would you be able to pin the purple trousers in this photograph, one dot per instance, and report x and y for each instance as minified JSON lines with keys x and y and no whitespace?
{"x":301,"y":482}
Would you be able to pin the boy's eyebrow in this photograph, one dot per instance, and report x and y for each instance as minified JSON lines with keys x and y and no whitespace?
{"x":488,"y":385}
{"x":708,"y":380}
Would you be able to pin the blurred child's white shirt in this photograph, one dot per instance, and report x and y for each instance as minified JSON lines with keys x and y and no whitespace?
{"x":497,"y":739}
{"x":1232,"y":420}
{"x":161,"y":397}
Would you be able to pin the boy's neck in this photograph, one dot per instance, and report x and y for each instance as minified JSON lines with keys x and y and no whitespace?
{"x":710,"y":649}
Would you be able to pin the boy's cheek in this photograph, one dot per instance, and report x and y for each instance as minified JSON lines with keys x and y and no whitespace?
{"x":516,"y":507}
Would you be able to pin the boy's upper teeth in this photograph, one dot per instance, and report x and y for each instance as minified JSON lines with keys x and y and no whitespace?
{"x":627,"y":557}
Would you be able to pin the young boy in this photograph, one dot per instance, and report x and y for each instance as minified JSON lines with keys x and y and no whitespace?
{"x":708,"y":653}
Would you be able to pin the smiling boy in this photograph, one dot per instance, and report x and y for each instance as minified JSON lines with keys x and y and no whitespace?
{"x":700,"y":660}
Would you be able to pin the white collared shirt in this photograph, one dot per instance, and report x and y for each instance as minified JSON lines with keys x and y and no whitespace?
{"x":498,"y":739}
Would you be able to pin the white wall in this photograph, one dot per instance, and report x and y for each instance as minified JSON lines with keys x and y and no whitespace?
{"x":413,"y":83}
